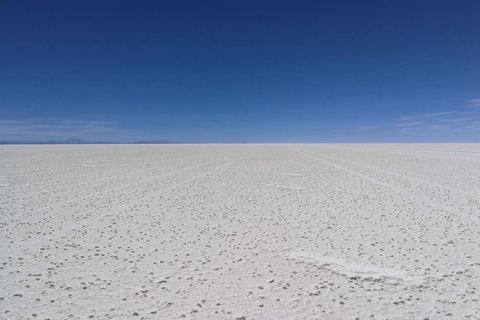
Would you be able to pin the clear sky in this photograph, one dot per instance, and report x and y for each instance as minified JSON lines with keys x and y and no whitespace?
{"x":241,"y":71}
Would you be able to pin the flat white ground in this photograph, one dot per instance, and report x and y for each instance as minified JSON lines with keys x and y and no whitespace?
{"x":316,"y":231}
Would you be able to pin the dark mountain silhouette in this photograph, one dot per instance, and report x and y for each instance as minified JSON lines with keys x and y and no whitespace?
{"x":159,"y":141}
{"x":67,"y":141}
{"x":81,"y":141}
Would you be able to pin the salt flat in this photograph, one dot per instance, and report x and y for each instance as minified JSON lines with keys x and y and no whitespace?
{"x":301,"y":231}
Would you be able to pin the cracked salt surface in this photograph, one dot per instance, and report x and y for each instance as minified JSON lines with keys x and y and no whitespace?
{"x":304,"y":231}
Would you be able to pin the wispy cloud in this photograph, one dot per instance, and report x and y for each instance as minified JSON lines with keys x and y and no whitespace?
{"x":451,"y":121}
{"x":10,"y":122}
{"x":420,"y":116}
{"x":367,"y":128}
{"x":409,"y":124}
{"x":55,"y":127}
{"x":474,"y":101}
{"x":459,"y":120}
{"x":464,"y":119}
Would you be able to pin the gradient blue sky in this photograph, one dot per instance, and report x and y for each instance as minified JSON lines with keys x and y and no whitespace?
{"x":241,"y":71}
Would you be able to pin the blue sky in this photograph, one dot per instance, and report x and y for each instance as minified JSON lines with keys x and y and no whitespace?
{"x":241,"y":71}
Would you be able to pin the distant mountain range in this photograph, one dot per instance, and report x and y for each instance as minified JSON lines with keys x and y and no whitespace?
{"x":157,"y":142}
{"x":81,"y":141}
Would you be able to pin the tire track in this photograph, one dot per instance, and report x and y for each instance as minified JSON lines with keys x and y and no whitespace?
{"x":203,"y":174}
{"x":123,"y":187}
{"x":378,"y":151}
{"x":129,"y":205}
{"x":423,"y":181}
{"x":383,"y":184}
{"x":136,"y":172}
{"x":453,"y":226}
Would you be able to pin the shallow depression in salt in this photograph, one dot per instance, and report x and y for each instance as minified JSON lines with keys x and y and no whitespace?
{"x":301,"y":231}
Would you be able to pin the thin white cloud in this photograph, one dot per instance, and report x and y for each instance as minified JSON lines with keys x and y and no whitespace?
{"x":420,"y":116}
{"x":464,"y":119}
{"x":443,"y":127}
{"x":367,"y":128}
{"x":409,"y":130}
{"x":55,"y":127}
{"x":474,"y":101}
{"x":409,"y":124}
{"x":455,"y":120}
{"x":449,"y":122}
{"x":10,"y":122}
